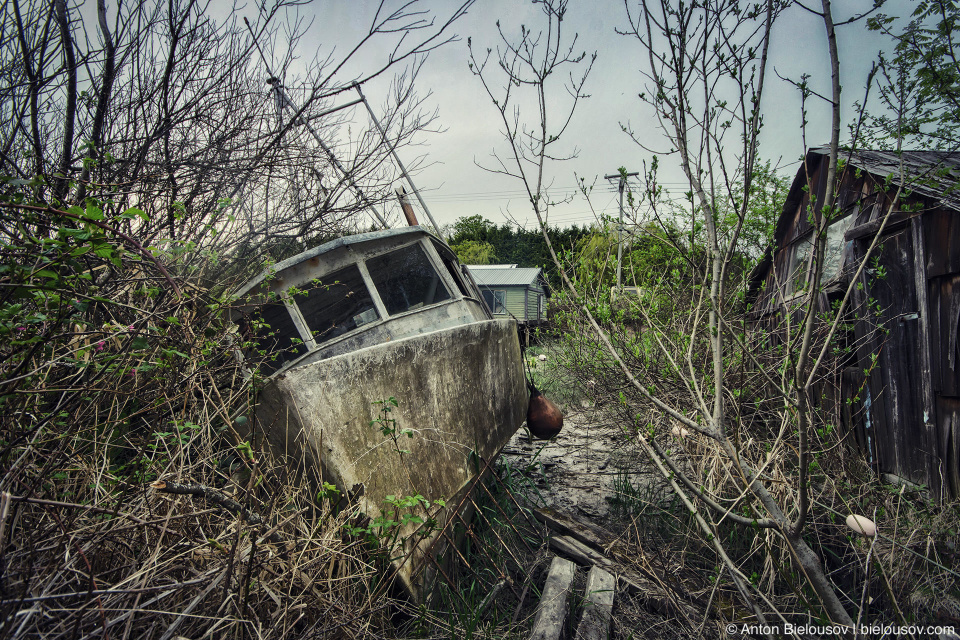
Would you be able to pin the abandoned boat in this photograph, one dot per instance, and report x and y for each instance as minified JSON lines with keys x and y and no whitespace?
{"x":343,"y":328}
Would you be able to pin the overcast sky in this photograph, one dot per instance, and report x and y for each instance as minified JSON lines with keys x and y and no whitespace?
{"x":453,"y":184}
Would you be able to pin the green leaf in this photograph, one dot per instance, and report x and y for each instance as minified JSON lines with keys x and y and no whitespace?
{"x":134,"y":212}
{"x":79,"y":234}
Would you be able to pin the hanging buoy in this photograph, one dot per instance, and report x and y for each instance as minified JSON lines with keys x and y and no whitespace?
{"x":544,"y":419}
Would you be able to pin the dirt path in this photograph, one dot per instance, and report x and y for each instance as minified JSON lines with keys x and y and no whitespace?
{"x":577,"y":473}
{"x":577,"y":470}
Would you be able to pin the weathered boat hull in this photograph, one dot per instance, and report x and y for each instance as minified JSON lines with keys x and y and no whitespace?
{"x":460,"y":390}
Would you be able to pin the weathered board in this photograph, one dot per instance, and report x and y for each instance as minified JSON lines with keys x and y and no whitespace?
{"x":597,"y":605}
{"x":552,"y":610}
{"x":904,"y":311}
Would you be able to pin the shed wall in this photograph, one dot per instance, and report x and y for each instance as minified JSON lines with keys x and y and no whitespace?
{"x":516,"y":302}
{"x":904,"y":316}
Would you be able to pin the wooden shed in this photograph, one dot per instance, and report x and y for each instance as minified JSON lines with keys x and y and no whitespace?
{"x":893,"y":378}
{"x":511,"y":290}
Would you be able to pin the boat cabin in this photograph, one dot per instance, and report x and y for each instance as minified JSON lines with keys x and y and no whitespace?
{"x":343,"y":327}
{"x":352,"y":293}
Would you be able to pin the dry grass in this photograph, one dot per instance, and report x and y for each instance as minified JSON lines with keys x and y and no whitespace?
{"x":139,"y":563}
{"x":909,"y":576}
{"x":109,"y":381}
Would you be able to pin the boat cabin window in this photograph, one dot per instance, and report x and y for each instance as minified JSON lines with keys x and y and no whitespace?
{"x":335,"y":304}
{"x":405,"y":279}
{"x":454,"y":270}
{"x":275,"y":337}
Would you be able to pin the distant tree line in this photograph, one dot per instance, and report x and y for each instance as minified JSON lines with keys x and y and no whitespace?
{"x":477,"y":240}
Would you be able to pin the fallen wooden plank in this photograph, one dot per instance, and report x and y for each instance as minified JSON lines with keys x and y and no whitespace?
{"x":586,"y":532}
{"x":552,"y":610}
{"x":582,"y":554}
{"x":651,"y":594}
{"x":597,"y":605}
{"x":589,"y":544}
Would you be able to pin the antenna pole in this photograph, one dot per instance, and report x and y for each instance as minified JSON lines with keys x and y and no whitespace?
{"x":393,"y":151}
{"x":285,"y":102}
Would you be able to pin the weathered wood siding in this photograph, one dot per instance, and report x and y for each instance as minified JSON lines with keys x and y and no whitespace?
{"x":904,"y":410}
{"x":941,"y":235}
{"x":515,"y":301}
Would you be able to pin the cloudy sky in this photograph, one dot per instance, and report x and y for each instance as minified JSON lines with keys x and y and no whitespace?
{"x":452,"y":183}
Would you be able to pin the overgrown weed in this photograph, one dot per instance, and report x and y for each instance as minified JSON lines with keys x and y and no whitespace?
{"x":489,"y":587}
{"x":118,"y":376}
{"x":910,"y":577}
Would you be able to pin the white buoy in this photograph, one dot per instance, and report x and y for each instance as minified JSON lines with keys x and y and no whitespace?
{"x":862,"y":525}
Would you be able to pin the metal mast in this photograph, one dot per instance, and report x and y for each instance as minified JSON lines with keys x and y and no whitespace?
{"x":284,"y":101}
{"x":403,"y":169}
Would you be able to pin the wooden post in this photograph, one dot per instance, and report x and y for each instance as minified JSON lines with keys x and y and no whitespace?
{"x":408,"y":212}
{"x":934,"y":451}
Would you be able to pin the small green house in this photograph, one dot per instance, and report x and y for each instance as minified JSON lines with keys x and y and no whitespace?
{"x":515,"y":291}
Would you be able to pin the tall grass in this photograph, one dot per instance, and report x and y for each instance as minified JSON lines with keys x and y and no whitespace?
{"x":117,"y":375}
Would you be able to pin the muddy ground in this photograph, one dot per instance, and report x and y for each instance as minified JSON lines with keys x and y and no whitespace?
{"x":576,"y":471}
{"x":579,"y":472}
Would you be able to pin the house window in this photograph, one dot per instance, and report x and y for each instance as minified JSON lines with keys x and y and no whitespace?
{"x":406,"y":279}
{"x":540,"y":310}
{"x":496,"y":300}
{"x":336,"y":304}
{"x":801,"y":262}
{"x":833,"y":253}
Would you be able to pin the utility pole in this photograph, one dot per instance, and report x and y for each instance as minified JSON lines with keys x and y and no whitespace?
{"x":622,"y":175}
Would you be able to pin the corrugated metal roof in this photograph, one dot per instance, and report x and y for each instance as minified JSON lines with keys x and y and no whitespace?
{"x":934,"y":174}
{"x":493,"y":266}
{"x":506,"y":276}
